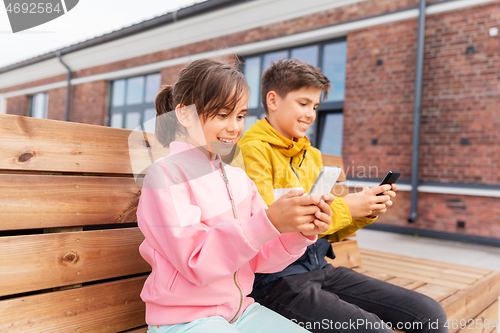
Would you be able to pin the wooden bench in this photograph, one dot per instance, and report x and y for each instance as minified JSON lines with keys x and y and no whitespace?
{"x":466,"y":293}
{"x":69,"y":259}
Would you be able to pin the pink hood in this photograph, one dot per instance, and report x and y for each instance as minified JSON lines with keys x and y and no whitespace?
{"x":203,"y":259}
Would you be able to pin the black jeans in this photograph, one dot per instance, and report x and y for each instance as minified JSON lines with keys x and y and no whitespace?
{"x":338,"y":299}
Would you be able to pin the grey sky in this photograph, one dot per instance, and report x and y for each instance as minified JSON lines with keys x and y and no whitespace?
{"x":89,"y":19}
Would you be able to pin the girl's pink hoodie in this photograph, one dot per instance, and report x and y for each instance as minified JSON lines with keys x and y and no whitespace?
{"x":203,"y":259}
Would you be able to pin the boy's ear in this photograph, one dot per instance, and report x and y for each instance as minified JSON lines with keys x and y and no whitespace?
{"x":271,"y":100}
{"x":184,"y":115}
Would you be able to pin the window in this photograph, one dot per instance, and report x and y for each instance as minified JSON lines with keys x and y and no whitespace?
{"x":38,"y":105}
{"x":331,"y":56}
{"x":330,"y":132}
{"x":132,"y":102}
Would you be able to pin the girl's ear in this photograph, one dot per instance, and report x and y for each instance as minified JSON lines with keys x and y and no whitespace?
{"x":271,"y":100}
{"x":184,"y":115}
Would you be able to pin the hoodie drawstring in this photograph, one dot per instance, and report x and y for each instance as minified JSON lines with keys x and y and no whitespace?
{"x":291,"y":166}
{"x":303,"y":158}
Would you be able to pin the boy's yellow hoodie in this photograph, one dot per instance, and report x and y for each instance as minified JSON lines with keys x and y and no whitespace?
{"x":277,"y":165}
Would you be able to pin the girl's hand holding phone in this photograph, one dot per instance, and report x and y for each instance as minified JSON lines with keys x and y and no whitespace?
{"x":294,"y":212}
{"x":323,"y":217}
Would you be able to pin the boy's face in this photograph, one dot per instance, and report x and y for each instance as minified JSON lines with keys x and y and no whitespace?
{"x":292,"y":115}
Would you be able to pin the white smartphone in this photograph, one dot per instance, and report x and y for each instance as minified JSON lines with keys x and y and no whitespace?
{"x":326,"y":181}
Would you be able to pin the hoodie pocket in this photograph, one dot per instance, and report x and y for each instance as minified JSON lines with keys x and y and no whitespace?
{"x":171,"y":282}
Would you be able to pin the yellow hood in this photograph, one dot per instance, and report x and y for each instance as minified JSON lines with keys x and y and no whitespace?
{"x":277,"y":165}
{"x":264,"y":132}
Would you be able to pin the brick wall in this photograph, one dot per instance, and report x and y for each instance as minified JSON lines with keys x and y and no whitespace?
{"x":441,"y":212}
{"x":379,"y":98}
{"x":18,"y":105}
{"x":89,"y":103}
{"x":57,"y":104}
{"x":461,"y":98}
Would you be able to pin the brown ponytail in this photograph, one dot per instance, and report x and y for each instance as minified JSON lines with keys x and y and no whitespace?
{"x":167,"y":125}
{"x":208,"y":84}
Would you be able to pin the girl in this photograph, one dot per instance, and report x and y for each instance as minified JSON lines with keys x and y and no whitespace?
{"x":207,"y":230}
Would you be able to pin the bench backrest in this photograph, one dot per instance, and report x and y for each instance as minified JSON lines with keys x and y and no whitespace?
{"x":69,"y":259}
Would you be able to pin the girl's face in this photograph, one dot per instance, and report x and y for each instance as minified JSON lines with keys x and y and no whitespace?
{"x":224,"y":130}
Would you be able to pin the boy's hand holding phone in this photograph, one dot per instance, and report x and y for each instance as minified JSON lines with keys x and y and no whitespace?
{"x":368,"y":202}
{"x":392,"y":194}
{"x":372,"y":202}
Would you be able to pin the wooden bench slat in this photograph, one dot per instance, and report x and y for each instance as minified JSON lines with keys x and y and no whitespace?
{"x":379,"y":275}
{"x":50,"y":145}
{"x":419,"y":269}
{"x":414,"y":285}
{"x":436,"y":292}
{"x":143,"y":329}
{"x":373,"y":253}
{"x":340,"y":190}
{"x":346,"y":254}
{"x":406,"y":283}
{"x":36,"y":262}
{"x":404,"y":273}
{"x":479,"y":325}
{"x":472,"y":300}
{"x":332,"y":160}
{"x":100,"y":308}
{"x":43,"y":201}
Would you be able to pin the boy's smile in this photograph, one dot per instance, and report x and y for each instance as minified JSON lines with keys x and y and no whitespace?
{"x":292,"y":115}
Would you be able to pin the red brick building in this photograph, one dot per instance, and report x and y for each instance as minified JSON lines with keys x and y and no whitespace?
{"x":368,"y":49}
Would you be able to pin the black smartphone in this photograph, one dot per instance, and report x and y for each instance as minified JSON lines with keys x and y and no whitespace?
{"x":390,"y":178}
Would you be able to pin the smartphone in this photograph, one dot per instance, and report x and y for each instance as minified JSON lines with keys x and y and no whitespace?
{"x":390,"y":178}
{"x":325,"y":181}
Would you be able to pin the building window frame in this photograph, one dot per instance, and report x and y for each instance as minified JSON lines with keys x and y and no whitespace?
{"x":32,"y":104}
{"x":126,"y":109}
{"x":325,"y":106}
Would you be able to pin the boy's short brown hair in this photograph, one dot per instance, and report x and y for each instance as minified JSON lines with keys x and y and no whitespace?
{"x":285,"y":76}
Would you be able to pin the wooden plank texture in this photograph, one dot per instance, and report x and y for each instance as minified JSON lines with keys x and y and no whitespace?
{"x":36,"y":262}
{"x":332,"y":160}
{"x":466,"y":303}
{"x":42,"y":201}
{"x":50,"y":145}
{"x":340,"y":190}
{"x":473,"y":299}
{"x":346,"y":254}
{"x":479,"y":272}
{"x":143,"y":329}
{"x":485,"y":322}
{"x":379,"y":275}
{"x":406,"y":283}
{"x":418,"y":269}
{"x":100,"y":308}
{"x":439,"y":293}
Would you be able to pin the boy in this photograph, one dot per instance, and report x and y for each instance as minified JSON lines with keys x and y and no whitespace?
{"x":278,"y":157}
